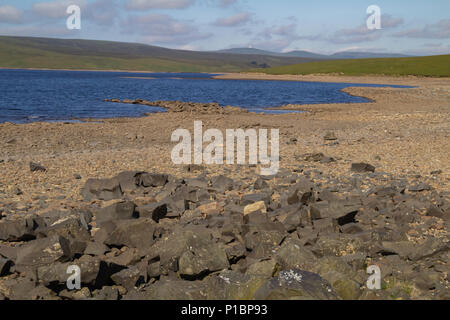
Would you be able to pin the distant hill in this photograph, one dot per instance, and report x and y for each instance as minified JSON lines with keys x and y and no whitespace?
{"x":436,"y":66}
{"x":312,"y":55}
{"x":28,"y":52}
{"x":365,"y":55}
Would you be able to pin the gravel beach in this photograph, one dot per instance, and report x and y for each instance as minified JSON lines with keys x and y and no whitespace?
{"x":387,"y":160}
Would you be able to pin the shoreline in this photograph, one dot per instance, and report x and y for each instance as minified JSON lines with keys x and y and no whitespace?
{"x":384,"y":163}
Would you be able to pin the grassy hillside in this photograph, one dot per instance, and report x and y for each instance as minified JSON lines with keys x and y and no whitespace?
{"x":24,"y":52}
{"x":438,"y":66}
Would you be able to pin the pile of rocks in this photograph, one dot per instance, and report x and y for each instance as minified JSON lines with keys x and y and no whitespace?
{"x":154,"y":236}
{"x":180,"y":106}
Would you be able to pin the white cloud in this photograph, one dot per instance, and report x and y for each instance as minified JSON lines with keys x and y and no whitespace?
{"x":158,"y":4}
{"x":10,"y":14}
{"x":440,"y":30}
{"x":55,"y":9}
{"x":234,"y":21}
{"x":162,"y":29}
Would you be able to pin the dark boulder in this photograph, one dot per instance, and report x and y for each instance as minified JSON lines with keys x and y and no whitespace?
{"x":102,"y":189}
{"x":155,"y":211}
{"x":296,"y":284}
{"x":136,"y":233}
{"x":118,"y":211}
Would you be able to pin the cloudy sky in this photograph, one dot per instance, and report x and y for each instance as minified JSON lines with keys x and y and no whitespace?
{"x":324,"y":26}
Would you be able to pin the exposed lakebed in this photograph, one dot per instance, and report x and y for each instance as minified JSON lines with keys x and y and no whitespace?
{"x":44,"y":95}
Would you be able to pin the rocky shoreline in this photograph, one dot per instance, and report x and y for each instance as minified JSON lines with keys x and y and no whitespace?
{"x":180,"y":106}
{"x":293,"y":235}
{"x":359,"y":185}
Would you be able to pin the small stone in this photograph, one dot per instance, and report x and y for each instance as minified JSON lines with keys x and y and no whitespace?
{"x":37,"y":167}
{"x":420,"y":187}
{"x":362,"y":167}
{"x":257,"y":206}
{"x":330,"y":136}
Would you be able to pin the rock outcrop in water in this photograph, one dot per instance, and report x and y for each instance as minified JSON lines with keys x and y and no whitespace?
{"x":180,"y":106}
{"x":279,"y":237}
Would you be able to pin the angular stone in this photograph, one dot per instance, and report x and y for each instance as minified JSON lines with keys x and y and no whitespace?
{"x":17,"y":230}
{"x":43,"y":251}
{"x":255,"y":207}
{"x":153,"y":179}
{"x":362,"y":167}
{"x":301,"y":192}
{"x":342,"y":212}
{"x":107,"y":293}
{"x":36,"y":167}
{"x":263,"y":243}
{"x":222,"y":183}
{"x":324,"y":226}
{"x":127,"y":278}
{"x":233,"y":285}
{"x":102,"y":189}
{"x":296,"y":284}
{"x":176,"y":290}
{"x":132,"y":233}
{"x":293,"y":254}
{"x":420,"y":187}
{"x":265,"y":268}
{"x":202,"y":257}
{"x":56,"y":273}
{"x":118,"y":211}
{"x":209,"y":209}
{"x":260,"y":184}
{"x":129,"y":180}
{"x":330,"y":136}
{"x":96,"y":249}
{"x":255,"y":197}
{"x":434,"y":211}
{"x":155,"y":211}
{"x":5,"y":265}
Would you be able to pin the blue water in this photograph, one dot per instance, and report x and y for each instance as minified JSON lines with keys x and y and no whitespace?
{"x":32,"y":95}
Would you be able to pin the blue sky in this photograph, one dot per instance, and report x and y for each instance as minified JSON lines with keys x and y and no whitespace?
{"x":324,"y":26}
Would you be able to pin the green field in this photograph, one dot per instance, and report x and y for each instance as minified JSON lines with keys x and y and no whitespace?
{"x":432,"y":66}
{"x":47,"y":53}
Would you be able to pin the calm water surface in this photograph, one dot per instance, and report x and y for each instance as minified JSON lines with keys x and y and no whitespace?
{"x":32,"y":95}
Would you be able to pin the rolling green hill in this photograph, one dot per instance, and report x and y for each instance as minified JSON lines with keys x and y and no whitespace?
{"x":27,"y":52}
{"x":438,"y":66}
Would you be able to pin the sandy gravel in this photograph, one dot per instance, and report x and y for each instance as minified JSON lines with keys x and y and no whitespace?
{"x":406,"y":132}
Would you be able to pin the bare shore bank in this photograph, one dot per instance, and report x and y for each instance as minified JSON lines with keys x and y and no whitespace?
{"x":405,"y":130}
{"x":400,"y":223}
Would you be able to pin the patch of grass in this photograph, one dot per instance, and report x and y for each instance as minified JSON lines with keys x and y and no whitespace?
{"x":432,"y":66}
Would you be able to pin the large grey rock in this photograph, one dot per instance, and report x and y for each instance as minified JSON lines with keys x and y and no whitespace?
{"x":129,"y":180}
{"x":43,"y":251}
{"x":295,"y":284}
{"x":56,"y":273}
{"x":118,"y":211}
{"x":127,"y":278}
{"x":155,"y":211}
{"x":342,"y":212}
{"x":153,"y":179}
{"x":102,"y":189}
{"x":17,"y":230}
{"x":175,"y":290}
{"x":292,"y":254}
{"x":301,"y":192}
{"x":203,"y":256}
{"x":136,"y":233}
{"x":222,"y":183}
